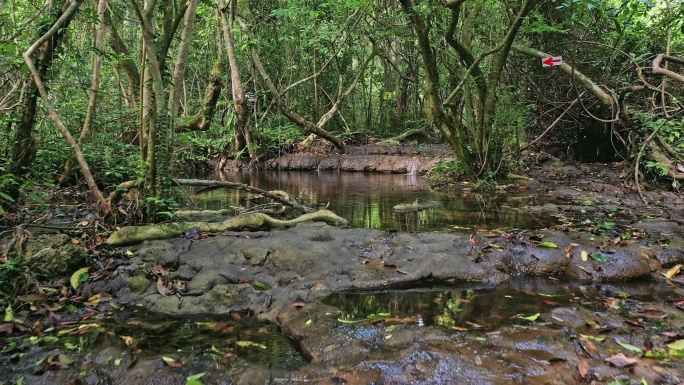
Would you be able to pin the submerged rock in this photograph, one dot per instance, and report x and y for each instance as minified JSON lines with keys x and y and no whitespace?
{"x":417,"y":205}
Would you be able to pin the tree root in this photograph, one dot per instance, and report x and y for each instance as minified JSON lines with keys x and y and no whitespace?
{"x":136,"y":234}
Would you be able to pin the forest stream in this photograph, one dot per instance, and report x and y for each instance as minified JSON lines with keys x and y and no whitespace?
{"x":567,"y":280}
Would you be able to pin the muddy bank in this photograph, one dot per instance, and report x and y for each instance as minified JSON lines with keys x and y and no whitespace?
{"x":395,"y":159}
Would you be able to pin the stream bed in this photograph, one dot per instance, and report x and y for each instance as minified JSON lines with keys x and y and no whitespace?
{"x":368,"y":200}
{"x":564,"y":286}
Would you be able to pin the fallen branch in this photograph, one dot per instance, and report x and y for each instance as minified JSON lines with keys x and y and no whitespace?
{"x":136,"y":234}
{"x":400,"y":137}
{"x":278,"y":196}
{"x":657,"y":69}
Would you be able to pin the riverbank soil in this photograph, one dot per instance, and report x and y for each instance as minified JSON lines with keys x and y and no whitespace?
{"x":596,"y":299}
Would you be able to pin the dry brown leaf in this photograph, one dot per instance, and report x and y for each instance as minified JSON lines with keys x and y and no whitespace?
{"x":620,"y":360}
{"x":161,"y":287}
{"x":588,"y":347}
{"x":674,"y":270}
{"x":583,"y":369}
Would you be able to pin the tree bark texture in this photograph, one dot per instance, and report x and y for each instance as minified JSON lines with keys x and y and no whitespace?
{"x":24,"y":148}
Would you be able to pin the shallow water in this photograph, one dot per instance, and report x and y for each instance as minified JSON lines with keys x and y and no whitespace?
{"x":367,"y":200}
{"x":487,"y":308}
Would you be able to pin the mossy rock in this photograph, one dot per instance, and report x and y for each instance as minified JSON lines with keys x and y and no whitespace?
{"x":51,"y":263}
{"x":139,"y":284}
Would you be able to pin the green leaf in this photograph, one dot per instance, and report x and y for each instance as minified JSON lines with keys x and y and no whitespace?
{"x":620,"y":382}
{"x":246,"y":344}
{"x":80,"y":276}
{"x":378,"y":315}
{"x":36,"y":198}
{"x":532,"y":317}
{"x":9,"y":314}
{"x":677,"y":345}
{"x":629,"y":347}
{"x":348,"y":321}
{"x":6,"y":196}
{"x":168,"y":359}
{"x":598,"y":257}
{"x":195,"y":376}
{"x":607,"y":225}
{"x":593,"y":338}
{"x":550,"y":245}
{"x":261,"y":285}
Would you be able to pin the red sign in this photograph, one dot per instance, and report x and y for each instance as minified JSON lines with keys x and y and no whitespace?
{"x":552,"y":61}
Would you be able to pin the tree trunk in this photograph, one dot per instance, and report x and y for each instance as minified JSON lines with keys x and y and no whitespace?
{"x":60,"y":25}
{"x":182,"y":58}
{"x":94,"y":88}
{"x":202,"y":120}
{"x":454,"y":135}
{"x":241,"y":129}
{"x":24,"y":147}
{"x":123,"y":54}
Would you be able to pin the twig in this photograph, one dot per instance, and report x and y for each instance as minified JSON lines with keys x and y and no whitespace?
{"x":553,"y":124}
{"x":638,"y":160}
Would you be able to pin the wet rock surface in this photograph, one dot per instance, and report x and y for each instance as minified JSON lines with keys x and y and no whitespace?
{"x":285,"y":278}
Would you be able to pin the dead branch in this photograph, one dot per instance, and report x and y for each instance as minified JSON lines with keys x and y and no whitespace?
{"x":278,"y":196}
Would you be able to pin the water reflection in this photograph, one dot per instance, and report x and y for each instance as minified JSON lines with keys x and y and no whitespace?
{"x":367,"y":200}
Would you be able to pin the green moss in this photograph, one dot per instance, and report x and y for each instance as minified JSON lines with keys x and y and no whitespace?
{"x":139,"y":284}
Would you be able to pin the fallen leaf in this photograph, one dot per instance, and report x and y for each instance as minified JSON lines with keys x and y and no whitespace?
{"x":245,"y":344}
{"x":531,"y":317}
{"x":7,"y":328}
{"x":674,"y":270}
{"x":585,"y":256}
{"x":598,"y":257}
{"x":592,"y":338}
{"x":9,"y":314}
{"x":583,"y":368}
{"x":677,"y":345}
{"x":172,"y":362}
{"x":588,"y":347}
{"x":547,"y":244}
{"x":80,"y":276}
{"x":161,"y":287}
{"x":632,"y":348}
{"x":620,"y":360}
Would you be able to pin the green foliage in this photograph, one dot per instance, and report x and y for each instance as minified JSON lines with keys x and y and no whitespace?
{"x":671,"y":130}
{"x":277,"y":134}
{"x":486,"y":182}
{"x":13,"y":278}
{"x":160,"y":209}
{"x":659,"y":168}
{"x":445,"y":176}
